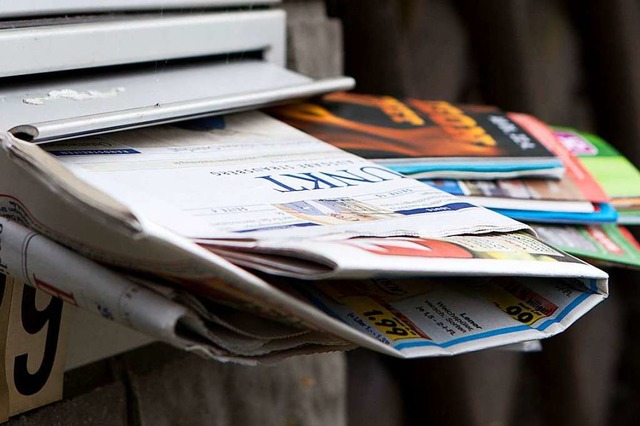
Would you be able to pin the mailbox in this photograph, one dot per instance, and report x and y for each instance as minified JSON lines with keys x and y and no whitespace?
{"x":84,"y":67}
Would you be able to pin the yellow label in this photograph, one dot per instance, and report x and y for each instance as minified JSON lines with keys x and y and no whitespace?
{"x":381,"y":318}
{"x":513,"y":306}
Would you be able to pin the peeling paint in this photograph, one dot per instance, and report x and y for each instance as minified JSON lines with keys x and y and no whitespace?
{"x":74,"y":95}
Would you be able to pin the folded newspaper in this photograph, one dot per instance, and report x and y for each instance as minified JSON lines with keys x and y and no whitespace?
{"x":243,"y":238}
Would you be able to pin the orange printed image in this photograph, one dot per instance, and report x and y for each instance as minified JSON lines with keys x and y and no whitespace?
{"x":379,"y":127}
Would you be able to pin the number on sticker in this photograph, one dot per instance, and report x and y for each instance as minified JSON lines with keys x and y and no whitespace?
{"x":33,"y":321}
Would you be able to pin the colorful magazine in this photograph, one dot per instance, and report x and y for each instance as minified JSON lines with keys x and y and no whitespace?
{"x":617,"y":175}
{"x":603,"y":213}
{"x":428,"y":139}
{"x":607,"y":244}
{"x":575,"y":198}
{"x":495,"y":196}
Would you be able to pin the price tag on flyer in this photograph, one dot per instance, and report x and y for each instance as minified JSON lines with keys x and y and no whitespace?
{"x":382,"y":318}
{"x":518,"y":301}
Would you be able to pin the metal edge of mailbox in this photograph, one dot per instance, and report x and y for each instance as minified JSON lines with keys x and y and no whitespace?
{"x":159,"y":114}
{"x":27,"y":8}
{"x":153,"y":93}
{"x":86,"y":45}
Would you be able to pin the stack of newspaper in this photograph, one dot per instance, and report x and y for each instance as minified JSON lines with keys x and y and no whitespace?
{"x":582,"y":211}
{"x":242,"y":238}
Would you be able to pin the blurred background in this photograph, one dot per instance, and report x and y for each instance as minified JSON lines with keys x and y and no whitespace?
{"x":571,"y":63}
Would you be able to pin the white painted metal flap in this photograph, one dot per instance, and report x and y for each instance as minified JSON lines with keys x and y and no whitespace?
{"x":65,"y":107}
{"x":171,"y":67}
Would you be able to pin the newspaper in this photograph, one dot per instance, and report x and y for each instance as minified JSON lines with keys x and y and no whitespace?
{"x":255,"y":177}
{"x":406,"y":318}
{"x":445,"y":316}
{"x":182,"y":206}
{"x":164,"y":313}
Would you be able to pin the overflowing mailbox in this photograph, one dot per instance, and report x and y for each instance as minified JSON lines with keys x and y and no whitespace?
{"x":78,"y":67}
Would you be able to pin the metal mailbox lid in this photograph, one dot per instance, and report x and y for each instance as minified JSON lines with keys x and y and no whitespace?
{"x":55,"y":109}
{"x":136,"y":39}
{"x":26,"y":8}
